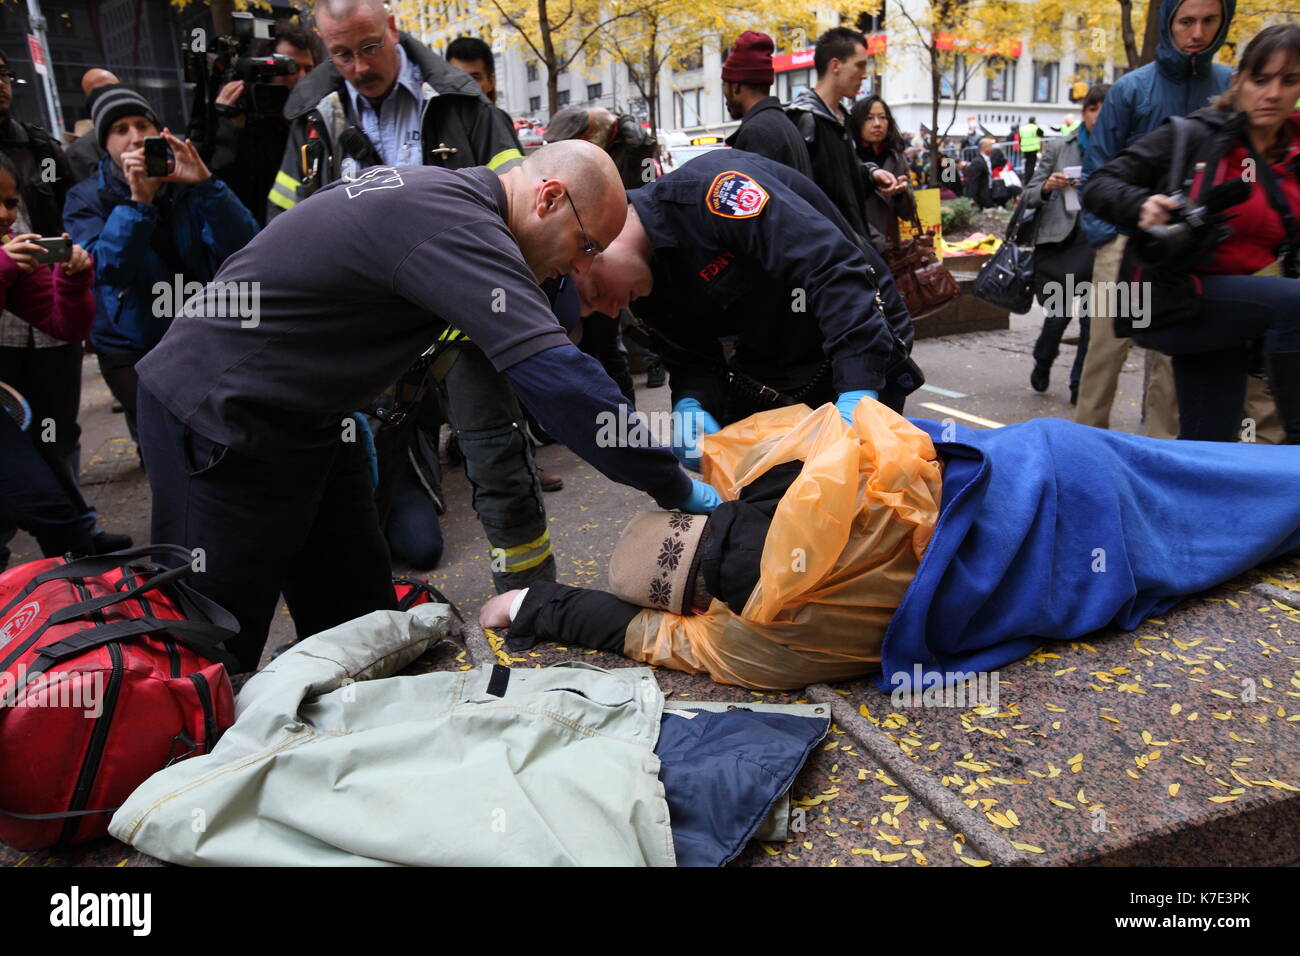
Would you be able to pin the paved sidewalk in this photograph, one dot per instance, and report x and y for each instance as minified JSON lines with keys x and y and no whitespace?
{"x":1176,"y":744}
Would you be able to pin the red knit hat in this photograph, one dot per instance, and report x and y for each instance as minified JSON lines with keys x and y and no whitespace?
{"x":750,"y":60}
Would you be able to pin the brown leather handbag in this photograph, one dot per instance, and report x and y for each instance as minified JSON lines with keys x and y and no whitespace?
{"x":922,"y":280}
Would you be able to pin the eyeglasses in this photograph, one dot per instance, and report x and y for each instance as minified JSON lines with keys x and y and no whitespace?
{"x":589,"y":246}
{"x":367,"y":52}
{"x":8,"y":76}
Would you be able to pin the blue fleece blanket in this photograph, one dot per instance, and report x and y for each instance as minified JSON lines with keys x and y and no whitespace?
{"x":1050,"y":529}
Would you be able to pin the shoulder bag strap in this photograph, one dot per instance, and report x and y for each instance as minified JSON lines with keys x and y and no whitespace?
{"x":1178,"y":155}
{"x":1291,"y":244}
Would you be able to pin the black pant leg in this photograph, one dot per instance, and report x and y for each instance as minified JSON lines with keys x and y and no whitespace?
{"x":245,"y":519}
{"x":1076,"y":370}
{"x":32,"y":498}
{"x":341,"y":569}
{"x":118,"y":370}
{"x":412,"y":528}
{"x":499,"y":464}
{"x":50,"y":380}
{"x":600,"y":339}
{"x":1048,"y":345}
{"x":1211,"y":390}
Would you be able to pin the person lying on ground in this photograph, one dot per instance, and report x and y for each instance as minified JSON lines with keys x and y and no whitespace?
{"x":889,"y":545}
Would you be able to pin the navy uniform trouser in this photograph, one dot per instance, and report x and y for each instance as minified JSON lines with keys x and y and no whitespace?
{"x":489,"y":427}
{"x":304,"y":526}
{"x":32,"y":498}
{"x":50,"y":380}
{"x":1213,"y":356}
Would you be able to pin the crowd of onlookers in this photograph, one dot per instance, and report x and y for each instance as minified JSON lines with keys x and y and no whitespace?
{"x":121,"y":228}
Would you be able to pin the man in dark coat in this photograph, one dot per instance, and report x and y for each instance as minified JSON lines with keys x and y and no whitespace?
{"x":979,"y":176}
{"x":841,"y":62}
{"x":747,"y":78}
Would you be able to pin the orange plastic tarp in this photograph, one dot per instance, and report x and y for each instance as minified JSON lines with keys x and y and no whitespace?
{"x":842,"y":549}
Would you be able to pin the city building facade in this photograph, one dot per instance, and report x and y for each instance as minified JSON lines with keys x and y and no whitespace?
{"x":1025,"y":81}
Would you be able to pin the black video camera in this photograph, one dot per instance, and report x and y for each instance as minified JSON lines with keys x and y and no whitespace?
{"x":1195,"y":229}
{"x":229,"y":58}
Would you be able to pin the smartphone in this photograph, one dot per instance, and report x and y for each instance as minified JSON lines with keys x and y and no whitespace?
{"x":158,"y":157}
{"x":57,"y":249}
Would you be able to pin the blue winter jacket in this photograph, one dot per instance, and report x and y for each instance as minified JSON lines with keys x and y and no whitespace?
{"x":208,"y":224}
{"x":1174,"y":84}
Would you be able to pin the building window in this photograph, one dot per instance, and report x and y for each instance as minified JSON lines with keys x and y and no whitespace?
{"x":532,"y":71}
{"x":953,"y":81}
{"x":534,"y":103}
{"x":1046,"y":77}
{"x":791,"y":84}
{"x":686,"y":107}
{"x":870,"y":21}
{"x":562,"y":98}
{"x":1087,"y":73}
{"x":595,"y":90}
{"x":1001,"y":86}
{"x":691,"y":61}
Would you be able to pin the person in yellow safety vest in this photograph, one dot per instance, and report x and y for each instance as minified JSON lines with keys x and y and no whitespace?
{"x":1030,"y":140}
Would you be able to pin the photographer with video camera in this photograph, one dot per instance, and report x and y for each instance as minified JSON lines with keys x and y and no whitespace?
{"x":163,"y":226}
{"x":246,"y":116}
{"x":1211,"y":203}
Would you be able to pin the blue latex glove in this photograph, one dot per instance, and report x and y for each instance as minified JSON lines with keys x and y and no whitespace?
{"x":702,"y":499}
{"x":691,"y":423}
{"x":849,"y":401}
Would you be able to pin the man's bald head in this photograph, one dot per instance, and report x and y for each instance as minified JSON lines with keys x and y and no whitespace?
{"x":592,"y":180}
{"x":561,"y":197}
{"x":566,"y":203}
{"x":94,"y":79}
{"x":342,"y":9}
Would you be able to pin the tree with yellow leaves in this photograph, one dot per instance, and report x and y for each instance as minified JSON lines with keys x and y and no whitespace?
{"x":675,"y":31}
{"x":958,"y":40}
{"x":556,"y":32}
{"x":222,"y":9}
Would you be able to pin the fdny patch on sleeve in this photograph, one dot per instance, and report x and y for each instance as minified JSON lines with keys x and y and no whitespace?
{"x":733,"y":195}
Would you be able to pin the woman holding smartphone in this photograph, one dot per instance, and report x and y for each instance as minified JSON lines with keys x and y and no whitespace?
{"x":1061,"y":248}
{"x":57,"y":300}
{"x":148,"y":221}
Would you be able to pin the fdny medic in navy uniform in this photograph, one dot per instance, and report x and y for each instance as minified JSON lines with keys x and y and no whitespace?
{"x":741,"y":246}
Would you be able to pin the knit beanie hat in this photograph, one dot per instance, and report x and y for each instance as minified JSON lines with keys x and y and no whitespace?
{"x":114,"y":103}
{"x":96,"y":93}
{"x":750,"y":60}
{"x":656,"y":561}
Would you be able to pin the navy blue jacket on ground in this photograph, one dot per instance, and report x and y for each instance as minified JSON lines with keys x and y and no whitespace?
{"x":1173,"y":84}
{"x":208,"y":224}
{"x":723,"y":772}
{"x":1053,"y":530}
